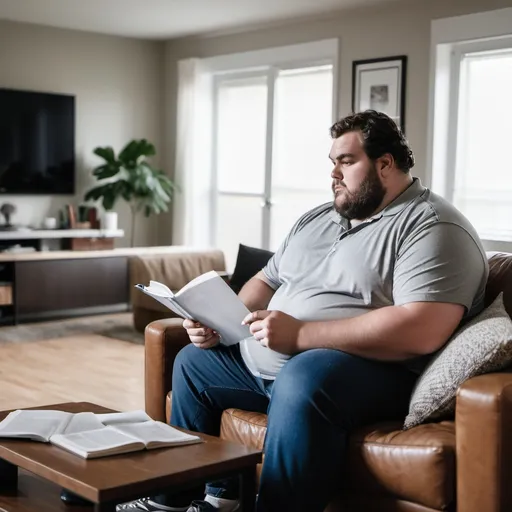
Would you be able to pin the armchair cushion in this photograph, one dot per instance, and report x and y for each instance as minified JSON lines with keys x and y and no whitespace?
{"x":483,"y":345}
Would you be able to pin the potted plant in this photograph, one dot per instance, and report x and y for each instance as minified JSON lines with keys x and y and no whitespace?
{"x":131,"y":177}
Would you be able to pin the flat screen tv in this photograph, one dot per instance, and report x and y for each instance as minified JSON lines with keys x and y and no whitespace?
{"x":37,"y":143}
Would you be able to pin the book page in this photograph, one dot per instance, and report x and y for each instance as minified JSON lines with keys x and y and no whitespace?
{"x":168,"y":301}
{"x":160,"y":289}
{"x":97,"y":443}
{"x":114,"y":418}
{"x":81,"y":422}
{"x":213,"y":303}
{"x":156,"y":434}
{"x":198,"y":280}
{"x":38,"y":425}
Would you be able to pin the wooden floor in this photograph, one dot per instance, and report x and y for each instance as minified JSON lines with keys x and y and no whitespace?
{"x":88,"y":368}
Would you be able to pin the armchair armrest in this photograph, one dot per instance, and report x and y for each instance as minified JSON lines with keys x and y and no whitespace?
{"x":483,"y":422}
{"x":163,"y":340}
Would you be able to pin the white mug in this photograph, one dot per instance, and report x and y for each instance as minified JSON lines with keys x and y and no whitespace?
{"x":50,"y":223}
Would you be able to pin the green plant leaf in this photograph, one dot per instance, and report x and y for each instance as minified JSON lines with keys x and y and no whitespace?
{"x":135,"y":150}
{"x":106,"y":152}
{"x":100,"y":192}
{"x":106,"y":171}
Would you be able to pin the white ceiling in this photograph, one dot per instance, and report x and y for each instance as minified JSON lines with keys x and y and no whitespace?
{"x":165,"y":19}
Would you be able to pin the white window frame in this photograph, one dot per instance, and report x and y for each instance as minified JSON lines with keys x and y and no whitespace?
{"x":192,"y":216}
{"x":451,"y":39}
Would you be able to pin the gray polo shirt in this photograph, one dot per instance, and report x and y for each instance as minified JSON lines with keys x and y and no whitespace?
{"x":420,"y":248}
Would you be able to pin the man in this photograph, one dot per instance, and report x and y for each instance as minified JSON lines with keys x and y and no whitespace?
{"x":358,"y":292}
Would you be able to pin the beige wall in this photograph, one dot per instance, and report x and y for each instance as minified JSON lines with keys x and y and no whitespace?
{"x":118,"y":85}
{"x":395,"y":29}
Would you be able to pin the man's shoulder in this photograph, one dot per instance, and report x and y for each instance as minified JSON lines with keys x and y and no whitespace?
{"x":430,"y":208}
{"x":316,"y":214}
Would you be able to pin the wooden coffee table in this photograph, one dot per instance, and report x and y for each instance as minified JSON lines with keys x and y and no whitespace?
{"x":32,"y":474}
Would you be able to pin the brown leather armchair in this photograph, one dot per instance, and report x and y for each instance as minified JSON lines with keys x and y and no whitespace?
{"x":464,"y":465}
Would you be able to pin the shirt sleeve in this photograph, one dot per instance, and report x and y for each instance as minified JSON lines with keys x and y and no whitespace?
{"x":439,"y":263}
{"x":271,"y":270}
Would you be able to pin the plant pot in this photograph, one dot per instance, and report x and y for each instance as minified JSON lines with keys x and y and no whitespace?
{"x":110,"y":221}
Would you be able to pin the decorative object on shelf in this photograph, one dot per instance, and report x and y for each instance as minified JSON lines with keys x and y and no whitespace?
{"x":71,"y":216}
{"x":110,"y":221}
{"x":83,"y":225}
{"x":92,"y":217}
{"x":379,"y":84}
{"x":7,"y":210}
{"x":50,"y":223}
{"x":131,"y":177}
{"x":63,"y":219}
{"x":82,"y":213}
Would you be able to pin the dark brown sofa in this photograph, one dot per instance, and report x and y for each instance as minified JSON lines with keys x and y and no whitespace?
{"x":464,"y":465}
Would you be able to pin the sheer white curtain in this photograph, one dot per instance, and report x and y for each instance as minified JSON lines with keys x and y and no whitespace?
{"x":192,"y":204}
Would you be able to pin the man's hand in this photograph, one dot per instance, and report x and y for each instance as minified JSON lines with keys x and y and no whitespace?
{"x":275,"y":330}
{"x":200,"y":335}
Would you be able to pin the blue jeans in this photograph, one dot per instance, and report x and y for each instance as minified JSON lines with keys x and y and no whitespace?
{"x":318,"y":398}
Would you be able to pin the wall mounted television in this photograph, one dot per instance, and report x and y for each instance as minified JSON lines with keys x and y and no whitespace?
{"x":37,"y":143}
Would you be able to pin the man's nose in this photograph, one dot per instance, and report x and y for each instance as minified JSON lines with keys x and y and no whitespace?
{"x":336,"y":173}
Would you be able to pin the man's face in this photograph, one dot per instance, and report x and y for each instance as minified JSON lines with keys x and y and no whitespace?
{"x":356,"y":185}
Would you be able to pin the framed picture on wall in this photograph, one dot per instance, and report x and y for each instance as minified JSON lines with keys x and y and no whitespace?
{"x":379,"y":84}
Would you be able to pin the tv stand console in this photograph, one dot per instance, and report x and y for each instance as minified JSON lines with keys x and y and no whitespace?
{"x":61,"y":284}
{"x":58,"y":239}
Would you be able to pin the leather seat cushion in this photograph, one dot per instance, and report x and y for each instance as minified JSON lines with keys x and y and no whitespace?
{"x":417,"y":465}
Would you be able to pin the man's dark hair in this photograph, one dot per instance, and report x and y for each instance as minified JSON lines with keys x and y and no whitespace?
{"x":380,"y":135}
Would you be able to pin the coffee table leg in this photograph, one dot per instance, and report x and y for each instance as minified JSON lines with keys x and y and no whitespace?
{"x":8,"y":475}
{"x":248,"y":488}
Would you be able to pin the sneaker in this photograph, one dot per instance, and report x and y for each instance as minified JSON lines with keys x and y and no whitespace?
{"x":201,"y":506}
{"x":146,"y":505}
{"x":205,"y":506}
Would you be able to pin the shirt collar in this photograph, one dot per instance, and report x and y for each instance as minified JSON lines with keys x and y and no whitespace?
{"x":414,"y":190}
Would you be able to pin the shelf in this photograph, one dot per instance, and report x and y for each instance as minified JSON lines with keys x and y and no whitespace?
{"x":45,"y":234}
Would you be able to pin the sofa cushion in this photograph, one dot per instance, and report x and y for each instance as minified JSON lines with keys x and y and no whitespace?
{"x":174,"y":269}
{"x":249,"y":261}
{"x":483,"y":345}
{"x":500,"y":279}
{"x":417,"y":465}
{"x":247,"y":428}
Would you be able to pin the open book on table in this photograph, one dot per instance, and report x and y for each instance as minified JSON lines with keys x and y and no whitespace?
{"x":207,"y":299}
{"x":90,"y":435}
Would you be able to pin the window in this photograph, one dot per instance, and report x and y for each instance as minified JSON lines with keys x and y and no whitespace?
{"x":271,"y":142}
{"x":469,"y":131}
{"x":252,"y":144}
{"x":482,"y":187}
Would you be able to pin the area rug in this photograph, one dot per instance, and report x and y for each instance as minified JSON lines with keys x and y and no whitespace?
{"x":118,"y":326}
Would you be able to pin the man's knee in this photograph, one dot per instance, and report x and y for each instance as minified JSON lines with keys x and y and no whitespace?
{"x":312,"y":383}
{"x":184,"y":357}
{"x":295,"y":386}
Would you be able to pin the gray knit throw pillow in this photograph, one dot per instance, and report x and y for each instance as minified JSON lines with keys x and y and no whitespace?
{"x":483,"y":345}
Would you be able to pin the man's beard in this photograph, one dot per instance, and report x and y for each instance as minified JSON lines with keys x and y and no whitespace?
{"x":362,"y":203}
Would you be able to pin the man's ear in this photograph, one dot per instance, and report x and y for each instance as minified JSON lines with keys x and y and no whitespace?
{"x":385,"y":164}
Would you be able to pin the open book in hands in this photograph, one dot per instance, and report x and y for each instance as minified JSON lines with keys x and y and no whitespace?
{"x":207,"y":299}
{"x":91,"y":435}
